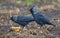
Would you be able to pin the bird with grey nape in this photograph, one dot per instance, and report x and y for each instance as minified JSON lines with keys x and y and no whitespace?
{"x":39,"y":17}
{"x":22,"y":20}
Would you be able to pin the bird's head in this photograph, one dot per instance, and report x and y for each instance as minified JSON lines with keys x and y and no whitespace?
{"x":33,"y":10}
{"x":14,"y":18}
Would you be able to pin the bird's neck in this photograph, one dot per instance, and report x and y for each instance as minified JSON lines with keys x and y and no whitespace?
{"x":35,"y":12}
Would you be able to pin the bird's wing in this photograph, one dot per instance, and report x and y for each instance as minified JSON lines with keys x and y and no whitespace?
{"x":42,"y":18}
{"x":25,"y":18}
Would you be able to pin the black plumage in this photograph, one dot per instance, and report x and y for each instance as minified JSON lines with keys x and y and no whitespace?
{"x":22,"y":19}
{"x":39,"y":18}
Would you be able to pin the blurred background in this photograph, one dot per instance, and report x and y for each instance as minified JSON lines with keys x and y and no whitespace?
{"x":49,"y":8}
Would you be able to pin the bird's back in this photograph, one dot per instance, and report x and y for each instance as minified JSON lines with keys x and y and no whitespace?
{"x":25,"y":18}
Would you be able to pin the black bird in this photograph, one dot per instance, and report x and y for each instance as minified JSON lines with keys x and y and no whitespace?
{"x":22,"y":20}
{"x":39,"y":18}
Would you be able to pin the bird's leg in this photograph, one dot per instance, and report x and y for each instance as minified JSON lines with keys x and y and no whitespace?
{"x":39,"y":27}
{"x":50,"y":28}
{"x":22,"y":28}
{"x":46,"y":29}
